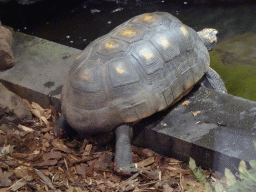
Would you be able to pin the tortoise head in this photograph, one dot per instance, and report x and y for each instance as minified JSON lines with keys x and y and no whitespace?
{"x":208,"y":36}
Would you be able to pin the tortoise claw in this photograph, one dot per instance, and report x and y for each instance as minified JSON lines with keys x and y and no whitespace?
{"x":129,"y":170}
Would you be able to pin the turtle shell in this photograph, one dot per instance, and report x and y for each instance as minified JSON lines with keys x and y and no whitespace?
{"x":139,"y":68}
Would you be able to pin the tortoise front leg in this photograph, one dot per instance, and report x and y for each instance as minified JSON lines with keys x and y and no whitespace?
{"x":123,"y":158}
{"x":214,"y":81}
{"x":62,"y":126}
{"x":63,"y":129}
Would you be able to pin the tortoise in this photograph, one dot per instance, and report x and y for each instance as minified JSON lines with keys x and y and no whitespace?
{"x":139,"y":68}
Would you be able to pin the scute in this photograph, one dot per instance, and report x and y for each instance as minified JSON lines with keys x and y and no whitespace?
{"x":149,"y":19}
{"x":122,"y":74}
{"x":87,"y":80}
{"x":189,"y":38}
{"x":165,"y":46}
{"x":148,"y":56}
{"x":112,"y":46}
{"x":130,"y":33}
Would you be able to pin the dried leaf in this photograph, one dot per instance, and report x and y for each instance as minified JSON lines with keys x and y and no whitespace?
{"x":70,"y":189}
{"x":47,"y":162}
{"x":163,"y":124}
{"x":6,"y":189}
{"x":129,"y":181}
{"x":102,"y":187}
{"x":78,"y":189}
{"x":52,"y":155}
{"x":155,"y":175}
{"x":2,"y":132}
{"x":36,"y":113}
{"x":60,"y":146}
{"x":46,"y":122}
{"x":45,"y":144}
{"x":81,"y":169}
{"x":87,"y":150}
{"x":145,"y":162}
{"x":186,"y":102}
{"x":6,"y":150}
{"x":22,"y":171}
{"x":34,"y":155}
{"x":47,"y":113}
{"x":48,"y":136}
{"x":24,"y":128}
{"x":47,"y":129}
{"x":110,"y":184}
{"x":20,"y":183}
{"x":148,"y":152}
{"x":37,"y":106}
{"x":4,"y":179}
{"x":195,"y":113}
{"x":50,"y":159}
{"x":46,"y":180}
{"x":19,"y":155}
{"x":103,"y":162}
{"x":167,"y":188}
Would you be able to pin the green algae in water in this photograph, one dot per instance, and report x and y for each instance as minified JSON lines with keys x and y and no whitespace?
{"x":239,"y":78}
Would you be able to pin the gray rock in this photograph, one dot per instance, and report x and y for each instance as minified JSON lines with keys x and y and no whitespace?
{"x":6,"y":54}
{"x":13,"y":105}
{"x":41,"y":69}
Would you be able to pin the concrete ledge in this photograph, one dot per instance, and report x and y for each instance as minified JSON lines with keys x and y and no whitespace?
{"x":219,"y":136}
{"x":41,"y":68}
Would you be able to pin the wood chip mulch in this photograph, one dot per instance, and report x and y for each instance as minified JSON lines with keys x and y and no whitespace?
{"x":32,"y":158}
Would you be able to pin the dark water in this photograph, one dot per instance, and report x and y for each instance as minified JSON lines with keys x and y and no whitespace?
{"x":77,"y":23}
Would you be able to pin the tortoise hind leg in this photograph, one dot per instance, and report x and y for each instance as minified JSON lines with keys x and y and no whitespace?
{"x":214,"y":81}
{"x":63,"y":129}
{"x":123,"y":157}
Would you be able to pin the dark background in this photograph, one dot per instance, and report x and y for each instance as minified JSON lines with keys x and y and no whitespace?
{"x":76,"y":23}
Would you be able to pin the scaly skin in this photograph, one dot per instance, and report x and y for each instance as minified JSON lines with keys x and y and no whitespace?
{"x":123,"y":158}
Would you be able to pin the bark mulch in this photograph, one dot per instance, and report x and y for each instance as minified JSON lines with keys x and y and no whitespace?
{"x":32,"y":158}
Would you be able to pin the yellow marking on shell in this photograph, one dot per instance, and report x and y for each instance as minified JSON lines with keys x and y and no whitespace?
{"x":128,"y":33}
{"x":86,"y":75}
{"x":120,"y":70}
{"x":165,"y":43}
{"x":111,"y":45}
{"x":147,"y":17}
{"x":184,"y":30}
{"x":146,"y":53}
